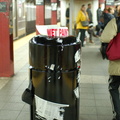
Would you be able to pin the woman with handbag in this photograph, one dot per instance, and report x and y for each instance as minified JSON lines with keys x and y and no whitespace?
{"x":82,"y":22}
{"x":111,"y":30}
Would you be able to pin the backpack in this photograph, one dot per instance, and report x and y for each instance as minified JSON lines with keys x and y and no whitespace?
{"x":104,"y":46}
{"x":113,"y":48}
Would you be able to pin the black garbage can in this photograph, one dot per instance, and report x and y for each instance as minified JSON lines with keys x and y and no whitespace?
{"x":54,"y":72}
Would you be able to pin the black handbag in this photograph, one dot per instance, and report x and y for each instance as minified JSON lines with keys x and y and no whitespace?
{"x":103,"y":50}
{"x":28,"y":94}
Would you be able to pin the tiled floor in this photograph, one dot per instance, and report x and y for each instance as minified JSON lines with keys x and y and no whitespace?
{"x":11,"y":106}
{"x":94,"y":96}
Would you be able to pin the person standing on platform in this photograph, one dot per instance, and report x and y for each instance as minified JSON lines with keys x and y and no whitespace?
{"x":67,"y":14}
{"x":108,"y":16}
{"x":109,"y":32}
{"x":89,"y":13}
{"x":116,"y":10}
{"x":82,"y":16}
{"x":90,"y":29}
{"x":99,"y":13}
{"x":99,"y":18}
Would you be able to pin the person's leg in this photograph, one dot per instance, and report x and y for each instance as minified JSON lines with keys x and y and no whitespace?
{"x":90,"y":35}
{"x":114,"y":83}
{"x":98,"y":27}
{"x":67,"y":23}
{"x":98,"y":32}
{"x":82,"y":36}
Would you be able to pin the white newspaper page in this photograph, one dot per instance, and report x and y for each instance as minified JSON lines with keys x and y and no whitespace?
{"x":77,"y":56}
{"x":49,"y":110}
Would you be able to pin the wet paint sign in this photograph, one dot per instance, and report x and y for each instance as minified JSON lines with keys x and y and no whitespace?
{"x":52,"y":30}
{"x":57,"y":32}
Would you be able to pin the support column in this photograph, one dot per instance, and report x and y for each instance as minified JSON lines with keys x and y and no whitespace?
{"x":6,"y":39}
{"x":54,"y":11}
{"x":71,"y":17}
{"x":40,"y":13}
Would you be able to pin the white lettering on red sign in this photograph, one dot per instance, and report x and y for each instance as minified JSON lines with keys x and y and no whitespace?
{"x":57,"y":32}
{"x":63,"y":32}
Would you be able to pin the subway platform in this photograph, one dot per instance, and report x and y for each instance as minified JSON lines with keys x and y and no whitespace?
{"x":94,"y":96}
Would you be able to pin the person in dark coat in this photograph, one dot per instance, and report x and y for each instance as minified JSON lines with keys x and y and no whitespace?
{"x":116,"y":10}
{"x":108,"y":16}
{"x":67,"y":14}
{"x":89,"y":13}
{"x":99,"y":13}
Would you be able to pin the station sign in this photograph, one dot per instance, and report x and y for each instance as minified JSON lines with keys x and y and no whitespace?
{"x":39,"y":2}
{"x":110,"y":2}
{"x":54,"y":6}
{"x":3,"y":6}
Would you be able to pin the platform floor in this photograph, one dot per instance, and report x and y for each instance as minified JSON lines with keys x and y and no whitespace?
{"x":94,"y":97}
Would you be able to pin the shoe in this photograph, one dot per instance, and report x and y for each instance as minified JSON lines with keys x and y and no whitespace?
{"x":116,"y":118}
{"x":96,"y":36}
{"x":91,"y":41}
